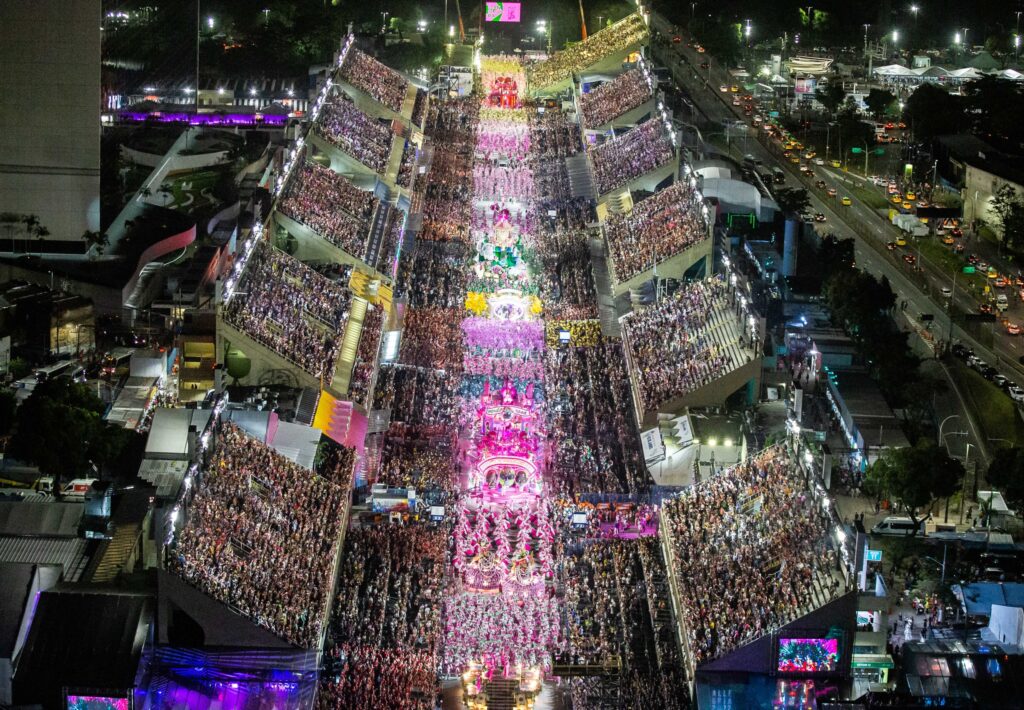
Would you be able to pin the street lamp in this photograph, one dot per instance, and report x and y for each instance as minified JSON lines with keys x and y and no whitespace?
{"x":209,"y":22}
{"x":746,"y":30}
{"x":914,"y":10}
{"x":544,"y":28}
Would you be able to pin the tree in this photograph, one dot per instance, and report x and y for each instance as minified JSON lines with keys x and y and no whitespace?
{"x":18,"y":368}
{"x":57,"y":428}
{"x":1008,"y":208}
{"x":792,"y":201}
{"x":831,"y":96}
{"x":878,"y":102}
{"x":914,"y":478}
{"x":1006,"y":473}
{"x":834,"y":255}
{"x":99,"y":240}
{"x":932,"y":111}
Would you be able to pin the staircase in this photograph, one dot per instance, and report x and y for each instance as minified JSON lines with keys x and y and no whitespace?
{"x":378,"y":226}
{"x":306,"y":407}
{"x":605,"y":297}
{"x":501,"y":693}
{"x":581,"y":179}
{"x":110,"y":560}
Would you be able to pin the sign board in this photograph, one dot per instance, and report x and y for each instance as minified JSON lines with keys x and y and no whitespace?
{"x":502,"y":12}
{"x":437,"y":513}
{"x":653,"y":446}
{"x":773,"y":114}
{"x":873,"y":555}
{"x":684,"y":430}
{"x":968,"y":269}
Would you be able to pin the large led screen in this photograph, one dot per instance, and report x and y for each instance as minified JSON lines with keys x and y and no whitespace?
{"x":502,"y":12}
{"x":808,"y":655}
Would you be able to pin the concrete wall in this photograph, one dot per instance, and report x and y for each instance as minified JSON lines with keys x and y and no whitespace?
{"x":50,"y":113}
{"x":980,"y":186}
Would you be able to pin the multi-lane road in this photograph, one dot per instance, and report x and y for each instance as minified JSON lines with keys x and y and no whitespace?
{"x":921,"y":290}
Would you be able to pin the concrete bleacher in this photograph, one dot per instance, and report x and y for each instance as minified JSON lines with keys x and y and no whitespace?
{"x":724,"y":331}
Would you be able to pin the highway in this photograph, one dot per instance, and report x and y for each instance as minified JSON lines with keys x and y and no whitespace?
{"x":913,"y":287}
{"x":870,"y":230}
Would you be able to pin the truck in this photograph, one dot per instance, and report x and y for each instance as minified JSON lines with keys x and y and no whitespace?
{"x":908,"y":223}
{"x":74,"y":489}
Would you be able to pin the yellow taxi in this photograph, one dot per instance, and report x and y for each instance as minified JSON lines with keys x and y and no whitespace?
{"x":948,"y":240}
{"x":834,"y":163}
{"x":992,"y":273}
{"x":901,"y":242}
{"x":810,"y":155}
{"x":734,"y":89}
{"x":911,"y":196}
{"x":908,"y":205}
{"x":846,"y":201}
{"x":795,"y":159}
{"x":896,"y":199}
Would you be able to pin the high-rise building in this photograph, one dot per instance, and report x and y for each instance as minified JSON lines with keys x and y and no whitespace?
{"x":49,"y":120}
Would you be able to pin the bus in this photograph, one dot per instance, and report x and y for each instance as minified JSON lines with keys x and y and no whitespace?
{"x":53,"y":371}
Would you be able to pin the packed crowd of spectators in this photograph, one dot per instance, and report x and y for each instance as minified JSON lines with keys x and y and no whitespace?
{"x":432,"y":337}
{"x":567,"y":281}
{"x":434,"y":274}
{"x":366,"y":354}
{"x":331,"y":206}
{"x":749,"y":549}
{"x":291,"y":309}
{"x":419,"y":108}
{"x":631,"y":155}
{"x":380,"y":81}
{"x":657,"y":228}
{"x":418,"y":397}
{"x":447,"y":203}
{"x":676,"y":344}
{"x":367,"y":678}
{"x":405,"y":168}
{"x":623,"y":34}
{"x":261,"y":534}
{"x":589,"y":416}
{"x":366,"y":139}
{"x":422,"y":465}
{"x":614,"y":98}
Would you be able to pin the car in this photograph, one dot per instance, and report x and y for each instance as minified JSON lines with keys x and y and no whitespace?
{"x":961,"y":351}
{"x":892,"y":188}
{"x":834,"y":163}
{"x":1001,"y":282}
{"x":819,"y":161}
{"x":891,"y":246}
{"x":901,"y":241}
{"x":908,"y":206}
{"x":846,"y":201}
{"x":1016,"y":393}
{"x":795,"y":159}
{"x":986,"y":309}
{"x":910,"y":259}
{"x":947,"y":240}
{"x":804,"y":168}
{"x":700,"y":49}
{"x":896,"y":199}
{"x":724,"y":89}
{"x":947,"y":292}
{"x":736,"y":102}
{"x":809,"y":172}
{"x":992,"y":273}
{"x":989,"y":373}
{"x":677,"y":39}
{"x":734,"y":89}
{"x":957,"y":232}
{"x":981,"y":266}
{"x":910,"y":195}
{"x":922,"y":203}
{"x":901,"y":125}
{"x":973,"y":259}
{"x":890,"y":125}
{"x":819,"y":217}
{"x":820,"y":185}
{"x":1001,"y":381}
{"x":1012,"y":328}
{"x":831,"y":192}
{"x":958,"y":249}
{"x":810,"y":155}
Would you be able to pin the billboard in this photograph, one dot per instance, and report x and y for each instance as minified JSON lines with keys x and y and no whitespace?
{"x":808,"y":655}
{"x":502,"y":12}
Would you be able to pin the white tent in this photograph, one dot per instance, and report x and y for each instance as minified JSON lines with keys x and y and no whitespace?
{"x":1007,"y":624}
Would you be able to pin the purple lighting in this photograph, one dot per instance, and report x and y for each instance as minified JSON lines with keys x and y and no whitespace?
{"x":207,"y":119}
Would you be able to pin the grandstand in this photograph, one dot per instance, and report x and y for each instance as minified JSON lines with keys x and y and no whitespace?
{"x":604,"y":50}
{"x":625,"y":100}
{"x":695,"y":348}
{"x":668,"y":232}
{"x":289,"y":323}
{"x":643,"y":157}
{"x":753,"y":558}
{"x":332,"y":219}
{"x":376,"y":88}
{"x":254,"y":557}
{"x":357,"y":143}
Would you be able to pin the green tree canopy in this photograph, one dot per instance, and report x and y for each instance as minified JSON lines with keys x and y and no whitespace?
{"x":878,"y":102}
{"x":1006,"y":474}
{"x":1008,"y":208}
{"x":932,"y":111}
{"x":914,"y":478}
{"x":831,"y":96}
{"x":792,"y":200}
{"x":57,"y":426}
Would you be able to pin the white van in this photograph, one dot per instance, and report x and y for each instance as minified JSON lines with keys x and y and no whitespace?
{"x":893,"y":526}
{"x":1002,"y":302}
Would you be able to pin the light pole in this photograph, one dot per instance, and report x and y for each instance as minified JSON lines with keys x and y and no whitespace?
{"x":544,"y":28}
{"x":913,"y":11}
{"x":895,"y":40}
